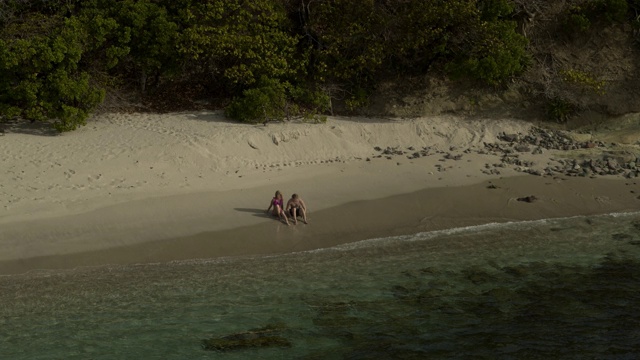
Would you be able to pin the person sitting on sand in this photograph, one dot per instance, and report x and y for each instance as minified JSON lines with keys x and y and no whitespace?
{"x":296,"y":207}
{"x":278,"y":209}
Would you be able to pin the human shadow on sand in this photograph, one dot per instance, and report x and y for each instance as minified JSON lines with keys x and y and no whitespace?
{"x":255,"y":212}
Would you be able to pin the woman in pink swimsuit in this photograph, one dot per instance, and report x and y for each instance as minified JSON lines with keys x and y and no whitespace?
{"x":278,"y":209}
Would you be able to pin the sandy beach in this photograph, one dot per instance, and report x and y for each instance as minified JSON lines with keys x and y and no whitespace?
{"x":132,"y":188}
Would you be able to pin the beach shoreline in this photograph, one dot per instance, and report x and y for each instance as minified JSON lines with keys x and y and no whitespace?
{"x":431,"y":209}
{"x":146,"y":188}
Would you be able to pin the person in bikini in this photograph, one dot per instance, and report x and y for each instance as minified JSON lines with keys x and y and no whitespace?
{"x":296,"y":207}
{"x":278,"y":208}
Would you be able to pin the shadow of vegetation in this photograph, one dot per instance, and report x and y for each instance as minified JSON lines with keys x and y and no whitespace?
{"x":213,"y":116}
{"x":28,"y":128}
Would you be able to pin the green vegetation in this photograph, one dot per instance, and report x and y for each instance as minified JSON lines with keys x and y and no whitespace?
{"x":496,"y":51}
{"x":267,"y":59}
{"x":236,"y":43}
{"x":560,"y":110}
{"x":579,"y":18}
{"x":584,"y":80}
{"x":267,"y":101}
{"x":40,"y":74}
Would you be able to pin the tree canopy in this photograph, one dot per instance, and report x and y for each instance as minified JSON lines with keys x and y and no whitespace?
{"x":269,"y":58}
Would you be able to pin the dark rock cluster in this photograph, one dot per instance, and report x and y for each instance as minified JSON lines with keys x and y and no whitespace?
{"x":546,"y":139}
{"x":593,"y":167}
{"x":411,"y":152}
{"x":624,"y":165}
{"x":511,"y":146}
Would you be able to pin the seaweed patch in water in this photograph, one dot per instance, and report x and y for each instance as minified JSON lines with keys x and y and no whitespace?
{"x":621,"y":237}
{"x":267,"y":336}
{"x":526,"y":310}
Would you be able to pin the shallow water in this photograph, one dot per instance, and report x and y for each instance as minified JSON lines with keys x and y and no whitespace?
{"x":566,"y":288}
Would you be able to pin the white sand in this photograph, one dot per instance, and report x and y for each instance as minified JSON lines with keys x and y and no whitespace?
{"x":126,"y":179}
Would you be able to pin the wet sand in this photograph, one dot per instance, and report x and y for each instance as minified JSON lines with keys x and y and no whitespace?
{"x":429,"y":209}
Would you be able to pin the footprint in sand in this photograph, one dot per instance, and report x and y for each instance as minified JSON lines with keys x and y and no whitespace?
{"x":116,"y":182}
{"x":94,"y":178}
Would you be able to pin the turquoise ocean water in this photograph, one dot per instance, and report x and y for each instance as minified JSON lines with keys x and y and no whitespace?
{"x":551,"y":289}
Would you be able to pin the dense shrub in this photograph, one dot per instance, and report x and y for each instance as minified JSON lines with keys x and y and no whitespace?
{"x":235,"y":43}
{"x":500,"y":57}
{"x":492,"y":50}
{"x":274,"y":100}
{"x":560,"y":110}
{"x":358,"y":42}
{"x":267,"y":101}
{"x":579,"y":18}
{"x":349,"y":43}
{"x":40,"y":79}
{"x":139,"y":37}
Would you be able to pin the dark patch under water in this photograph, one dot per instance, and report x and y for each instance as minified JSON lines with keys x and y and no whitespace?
{"x":526,"y":311}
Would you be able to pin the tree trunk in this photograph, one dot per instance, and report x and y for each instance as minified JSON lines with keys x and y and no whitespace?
{"x":143,"y":81}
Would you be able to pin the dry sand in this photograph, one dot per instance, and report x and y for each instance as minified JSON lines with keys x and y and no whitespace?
{"x":131,"y":188}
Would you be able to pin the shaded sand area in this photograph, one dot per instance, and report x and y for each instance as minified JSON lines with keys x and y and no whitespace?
{"x":130,"y":188}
